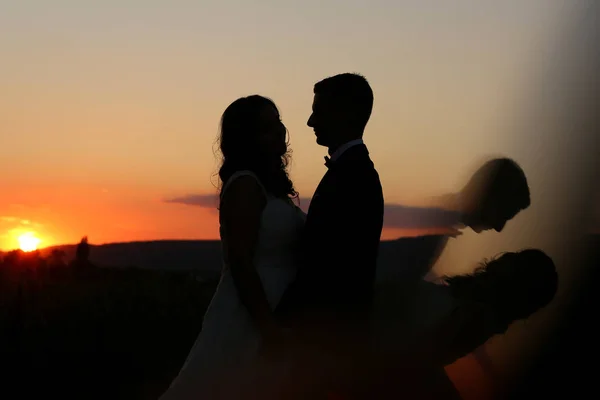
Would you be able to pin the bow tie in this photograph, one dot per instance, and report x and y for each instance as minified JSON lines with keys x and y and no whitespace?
{"x":327,"y":161}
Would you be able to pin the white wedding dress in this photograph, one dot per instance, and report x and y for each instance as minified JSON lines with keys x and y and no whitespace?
{"x":227,"y":346}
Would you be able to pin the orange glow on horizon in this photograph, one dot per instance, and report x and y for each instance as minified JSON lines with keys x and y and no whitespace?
{"x":470,"y":379}
{"x":69,"y":212}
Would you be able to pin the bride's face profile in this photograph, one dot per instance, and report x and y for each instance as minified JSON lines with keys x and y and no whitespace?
{"x":252,"y":137}
{"x":516,"y":285}
{"x":273,"y":133}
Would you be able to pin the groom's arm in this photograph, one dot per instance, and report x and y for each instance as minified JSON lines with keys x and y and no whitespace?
{"x":463,"y":332}
{"x":412,"y":257}
{"x":408,"y":217}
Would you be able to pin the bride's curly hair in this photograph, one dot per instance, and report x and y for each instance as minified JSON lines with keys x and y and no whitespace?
{"x":524,"y":282}
{"x":240,"y":149}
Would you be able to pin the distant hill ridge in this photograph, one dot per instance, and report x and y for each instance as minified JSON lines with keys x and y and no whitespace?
{"x":159,"y":254}
{"x":205,"y":255}
{"x":201,"y":255}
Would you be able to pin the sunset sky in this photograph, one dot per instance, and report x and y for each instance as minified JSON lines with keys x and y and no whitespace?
{"x":109,"y":110}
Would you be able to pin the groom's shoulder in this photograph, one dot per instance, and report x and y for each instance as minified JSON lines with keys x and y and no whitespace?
{"x":358,"y":161}
{"x":360,"y":171}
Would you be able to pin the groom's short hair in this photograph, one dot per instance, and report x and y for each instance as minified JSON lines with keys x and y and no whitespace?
{"x":501,"y":181}
{"x":508,"y":181}
{"x":350,"y":90}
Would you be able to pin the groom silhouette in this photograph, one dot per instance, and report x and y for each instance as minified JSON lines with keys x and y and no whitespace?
{"x":330,"y":300}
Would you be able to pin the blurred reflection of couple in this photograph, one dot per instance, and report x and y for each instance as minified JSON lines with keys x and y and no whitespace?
{"x":298,"y":312}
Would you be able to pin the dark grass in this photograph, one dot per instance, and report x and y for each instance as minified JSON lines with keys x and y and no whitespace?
{"x":567,"y":368}
{"x":96,"y":332}
{"x":123,"y":333}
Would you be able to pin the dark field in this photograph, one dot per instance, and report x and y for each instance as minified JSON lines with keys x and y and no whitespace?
{"x":76,"y":330}
{"x":88,"y":332}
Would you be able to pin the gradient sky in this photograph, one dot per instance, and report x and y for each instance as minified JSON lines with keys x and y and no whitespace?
{"x":109,"y":109}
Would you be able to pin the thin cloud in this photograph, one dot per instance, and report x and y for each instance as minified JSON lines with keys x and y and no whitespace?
{"x":396,"y":216}
{"x":198,"y":200}
{"x":16,"y":220}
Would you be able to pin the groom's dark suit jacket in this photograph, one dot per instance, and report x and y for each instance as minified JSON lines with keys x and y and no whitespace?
{"x":339,"y":246}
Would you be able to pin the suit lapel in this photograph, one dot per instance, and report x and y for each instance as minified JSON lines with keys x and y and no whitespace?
{"x":353,"y":154}
{"x":318,"y":192}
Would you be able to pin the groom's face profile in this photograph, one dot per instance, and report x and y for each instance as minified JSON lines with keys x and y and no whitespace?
{"x":493,"y":215}
{"x":324,"y":120}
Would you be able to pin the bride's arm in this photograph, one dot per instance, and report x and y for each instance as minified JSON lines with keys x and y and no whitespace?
{"x":473,"y":329}
{"x":465,"y":330}
{"x":240,"y":214}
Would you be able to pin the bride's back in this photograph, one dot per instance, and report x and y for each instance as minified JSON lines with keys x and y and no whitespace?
{"x":280,"y":227}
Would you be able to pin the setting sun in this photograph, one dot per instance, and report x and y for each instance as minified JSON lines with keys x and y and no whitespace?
{"x":28,"y":242}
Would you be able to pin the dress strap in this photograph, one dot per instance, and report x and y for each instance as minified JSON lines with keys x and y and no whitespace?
{"x":239,"y":174}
